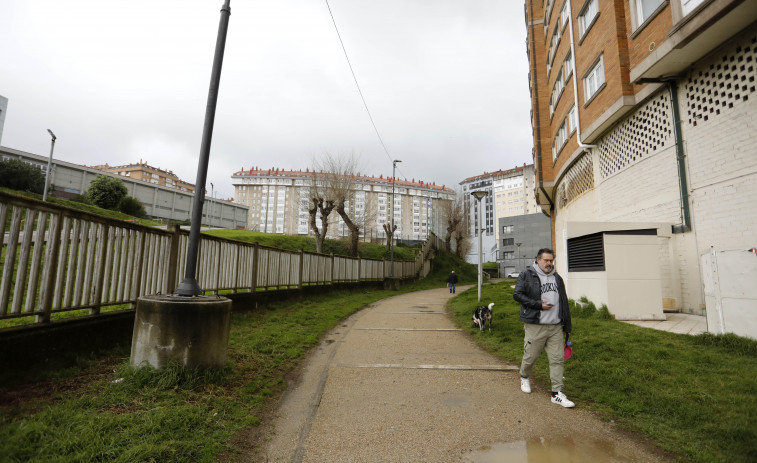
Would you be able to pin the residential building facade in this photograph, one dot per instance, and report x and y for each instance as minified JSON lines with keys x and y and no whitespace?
{"x":147,"y":173}
{"x":279,"y":200}
{"x":520,"y":238}
{"x":508,"y":193}
{"x":643,"y":115}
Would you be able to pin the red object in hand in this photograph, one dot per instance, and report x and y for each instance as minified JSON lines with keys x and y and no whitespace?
{"x":568,"y":350}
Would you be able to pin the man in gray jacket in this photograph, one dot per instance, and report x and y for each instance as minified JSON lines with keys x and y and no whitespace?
{"x":546,"y":315}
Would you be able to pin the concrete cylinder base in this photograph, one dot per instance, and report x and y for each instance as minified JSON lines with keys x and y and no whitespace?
{"x":193,"y":331}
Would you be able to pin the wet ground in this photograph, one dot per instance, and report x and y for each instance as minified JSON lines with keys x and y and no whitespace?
{"x":398,"y":382}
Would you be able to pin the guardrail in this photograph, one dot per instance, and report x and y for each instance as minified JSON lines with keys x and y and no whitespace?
{"x":55,"y":259}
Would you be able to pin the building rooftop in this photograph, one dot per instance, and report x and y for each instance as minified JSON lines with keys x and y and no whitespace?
{"x":274,"y":172}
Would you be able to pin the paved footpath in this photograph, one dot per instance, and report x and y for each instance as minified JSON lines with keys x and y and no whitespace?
{"x":398,"y":382}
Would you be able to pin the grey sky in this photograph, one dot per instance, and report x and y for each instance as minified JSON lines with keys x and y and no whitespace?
{"x":119,"y":81}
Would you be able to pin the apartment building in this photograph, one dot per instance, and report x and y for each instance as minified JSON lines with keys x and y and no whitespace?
{"x":147,"y":173}
{"x":643,"y":115}
{"x":509,"y":193}
{"x":279,"y":200}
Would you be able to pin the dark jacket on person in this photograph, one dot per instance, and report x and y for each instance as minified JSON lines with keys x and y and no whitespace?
{"x":452,"y":278}
{"x":528,"y":293}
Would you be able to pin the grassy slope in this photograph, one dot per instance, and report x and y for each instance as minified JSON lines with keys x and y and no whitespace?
{"x":295,"y":243}
{"x":177,"y":415}
{"x":694,"y":395}
{"x":84,"y":207}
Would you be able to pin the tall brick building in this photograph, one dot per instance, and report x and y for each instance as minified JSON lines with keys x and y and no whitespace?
{"x":644,"y":115}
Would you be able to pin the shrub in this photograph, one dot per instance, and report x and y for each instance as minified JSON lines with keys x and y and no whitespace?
{"x":106,"y":192}
{"x":18,"y":175}
{"x":131,"y":205}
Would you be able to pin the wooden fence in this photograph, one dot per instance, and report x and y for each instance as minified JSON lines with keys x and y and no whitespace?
{"x":56,"y":259}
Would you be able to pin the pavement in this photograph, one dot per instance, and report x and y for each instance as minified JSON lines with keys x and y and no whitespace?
{"x":680,"y":323}
{"x":399,"y":382}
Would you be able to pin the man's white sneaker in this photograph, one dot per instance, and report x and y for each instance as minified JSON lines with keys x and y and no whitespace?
{"x":560,"y":399}
{"x":525,"y":385}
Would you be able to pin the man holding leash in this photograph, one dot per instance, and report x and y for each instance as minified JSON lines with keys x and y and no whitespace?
{"x":546,"y":315}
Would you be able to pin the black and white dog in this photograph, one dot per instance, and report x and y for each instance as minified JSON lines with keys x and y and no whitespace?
{"x":482,"y":315}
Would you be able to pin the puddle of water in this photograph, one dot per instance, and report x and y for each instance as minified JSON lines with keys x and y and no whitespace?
{"x":542,"y":450}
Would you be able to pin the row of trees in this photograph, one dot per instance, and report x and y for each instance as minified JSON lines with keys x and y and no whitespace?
{"x":104,"y":191}
{"x":334,"y":190}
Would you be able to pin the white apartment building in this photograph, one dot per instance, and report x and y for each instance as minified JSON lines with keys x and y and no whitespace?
{"x":509,"y":193}
{"x":279,"y":200}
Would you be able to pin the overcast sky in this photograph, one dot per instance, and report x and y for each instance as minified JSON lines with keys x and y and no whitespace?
{"x":119,"y":81}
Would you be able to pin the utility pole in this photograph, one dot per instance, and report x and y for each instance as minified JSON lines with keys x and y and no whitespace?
{"x":189,"y":286}
{"x":49,"y":165}
{"x":391,"y":221}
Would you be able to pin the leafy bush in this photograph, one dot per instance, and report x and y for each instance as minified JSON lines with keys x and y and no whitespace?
{"x":131,"y":205}
{"x":106,"y":192}
{"x":18,"y":175}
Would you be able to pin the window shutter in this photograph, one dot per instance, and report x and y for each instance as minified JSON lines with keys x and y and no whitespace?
{"x":586,"y":253}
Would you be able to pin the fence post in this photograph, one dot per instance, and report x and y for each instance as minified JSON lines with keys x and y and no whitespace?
{"x":173,"y":257}
{"x":101,"y":271}
{"x":49,"y":277}
{"x":137,"y":282}
{"x":302,"y":265}
{"x":333,"y":262}
{"x":359,"y":268}
{"x":254,"y":282}
{"x":236,"y":268}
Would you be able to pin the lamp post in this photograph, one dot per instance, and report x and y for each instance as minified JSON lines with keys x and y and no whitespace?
{"x":518,"y":244}
{"x":391,"y":221}
{"x":479,"y":195}
{"x":49,"y":165}
{"x":189,"y":286}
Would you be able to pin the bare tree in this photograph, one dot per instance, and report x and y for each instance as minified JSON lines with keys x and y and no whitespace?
{"x":320,"y":203}
{"x":452,"y":213}
{"x":463,"y":243}
{"x":389,"y":230}
{"x":339,"y":176}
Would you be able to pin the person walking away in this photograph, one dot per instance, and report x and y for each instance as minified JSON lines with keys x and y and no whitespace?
{"x":452,"y":281}
{"x":545,"y":314}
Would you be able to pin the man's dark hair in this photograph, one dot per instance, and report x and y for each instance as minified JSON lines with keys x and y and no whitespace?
{"x":545,"y":251}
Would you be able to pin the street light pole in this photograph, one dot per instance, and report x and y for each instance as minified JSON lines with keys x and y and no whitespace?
{"x":518,"y":244}
{"x":49,"y":165}
{"x":391,"y":221}
{"x":189,"y":286}
{"x":479,"y":195}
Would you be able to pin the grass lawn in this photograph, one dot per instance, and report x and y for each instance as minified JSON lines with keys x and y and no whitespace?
{"x":696,"y":396}
{"x":104,"y":410}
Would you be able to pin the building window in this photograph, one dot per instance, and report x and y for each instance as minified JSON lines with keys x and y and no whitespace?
{"x":564,"y":13}
{"x":556,"y":93}
{"x":645,"y":9}
{"x":572,"y":119}
{"x":594,"y":79}
{"x":568,"y":66}
{"x":586,"y":17}
{"x":508,"y":241}
{"x":509,"y":255}
{"x":507,"y":229}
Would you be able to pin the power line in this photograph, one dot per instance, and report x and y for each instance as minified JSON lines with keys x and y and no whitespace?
{"x":356,"y":82}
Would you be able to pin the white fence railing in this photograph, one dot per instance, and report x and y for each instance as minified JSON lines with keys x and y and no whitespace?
{"x":55,"y":259}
